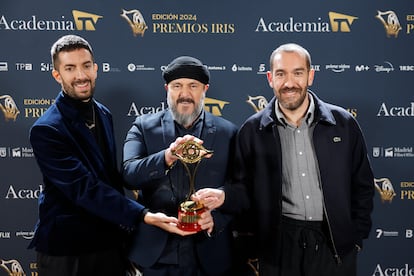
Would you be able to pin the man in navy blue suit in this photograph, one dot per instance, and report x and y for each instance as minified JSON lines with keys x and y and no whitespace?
{"x":83,"y":214}
{"x":150,"y":167}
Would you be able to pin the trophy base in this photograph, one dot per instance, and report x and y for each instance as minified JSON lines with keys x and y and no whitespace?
{"x":188,"y":216}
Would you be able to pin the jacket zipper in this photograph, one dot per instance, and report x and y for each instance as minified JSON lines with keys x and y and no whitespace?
{"x":336,"y":255}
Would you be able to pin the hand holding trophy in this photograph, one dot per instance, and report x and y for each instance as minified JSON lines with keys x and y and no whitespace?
{"x":189,"y":211}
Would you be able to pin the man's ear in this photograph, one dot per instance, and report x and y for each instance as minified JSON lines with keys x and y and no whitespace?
{"x":269,"y":77}
{"x":56,"y":75}
{"x":311,"y":77}
{"x":206,"y":87}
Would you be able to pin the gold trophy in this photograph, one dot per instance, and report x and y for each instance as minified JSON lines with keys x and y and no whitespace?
{"x":189,"y":211}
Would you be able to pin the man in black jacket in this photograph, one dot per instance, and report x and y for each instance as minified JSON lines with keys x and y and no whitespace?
{"x":303,"y":175}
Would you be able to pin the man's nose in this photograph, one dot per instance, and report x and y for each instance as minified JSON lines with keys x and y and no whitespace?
{"x":80,"y":73}
{"x":185,"y":91}
{"x":289,"y":81}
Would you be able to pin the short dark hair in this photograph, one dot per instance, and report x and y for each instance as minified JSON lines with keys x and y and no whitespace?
{"x":68,"y":43}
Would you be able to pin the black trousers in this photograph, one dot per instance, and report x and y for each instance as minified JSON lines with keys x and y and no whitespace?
{"x":306,"y":251}
{"x":103,"y":263}
{"x":170,"y":270}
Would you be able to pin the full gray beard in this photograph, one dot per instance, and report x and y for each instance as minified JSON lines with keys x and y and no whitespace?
{"x":185,"y":120}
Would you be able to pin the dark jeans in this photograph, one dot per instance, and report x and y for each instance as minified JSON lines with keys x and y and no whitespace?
{"x":306,"y":251}
{"x":104,"y":263}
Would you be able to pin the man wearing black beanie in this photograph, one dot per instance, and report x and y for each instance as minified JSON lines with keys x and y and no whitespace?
{"x":150,"y":166}
{"x":186,"y":67}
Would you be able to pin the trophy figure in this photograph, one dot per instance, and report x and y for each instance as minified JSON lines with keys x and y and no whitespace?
{"x":189,"y":211}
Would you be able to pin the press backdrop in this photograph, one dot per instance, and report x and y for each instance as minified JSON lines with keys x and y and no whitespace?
{"x":362,"y":52}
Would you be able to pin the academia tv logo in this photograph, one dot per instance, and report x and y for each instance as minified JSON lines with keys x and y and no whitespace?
{"x":214,"y":106}
{"x":211,"y":105}
{"x":85,"y":21}
{"x":81,"y":21}
{"x":388,"y":269}
{"x":338,"y":22}
{"x":386,"y":110}
{"x":341,"y":22}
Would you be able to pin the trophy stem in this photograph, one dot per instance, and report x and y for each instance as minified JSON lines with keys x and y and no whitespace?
{"x":191,"y":176}
{"x":189,"y":211}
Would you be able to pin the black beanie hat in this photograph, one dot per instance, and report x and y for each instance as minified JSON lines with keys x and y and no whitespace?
{"x":186,"y":67}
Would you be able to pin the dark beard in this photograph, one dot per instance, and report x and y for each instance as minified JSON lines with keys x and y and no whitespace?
{"x":293,"y":105}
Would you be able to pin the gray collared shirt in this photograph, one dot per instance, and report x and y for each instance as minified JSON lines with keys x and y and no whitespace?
{"x":301,"y":193}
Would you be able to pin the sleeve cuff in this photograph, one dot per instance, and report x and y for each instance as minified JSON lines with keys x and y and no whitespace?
{"x":143,"y":213}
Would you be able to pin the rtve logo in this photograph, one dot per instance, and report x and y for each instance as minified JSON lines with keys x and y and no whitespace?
{"x":341,"y":22}
{"x":85,"y":21}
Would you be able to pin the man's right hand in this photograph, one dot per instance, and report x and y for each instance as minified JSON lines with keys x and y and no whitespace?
{"x":169,"y":224}
{"x":211,"y":198}
{"x":171,"y":158}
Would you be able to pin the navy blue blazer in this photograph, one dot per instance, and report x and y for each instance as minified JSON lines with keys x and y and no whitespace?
{"x":80,"y":208}
{"x":144,"y":169}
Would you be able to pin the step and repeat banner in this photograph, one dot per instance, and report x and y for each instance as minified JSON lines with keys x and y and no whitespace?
{"x":362,"y":53}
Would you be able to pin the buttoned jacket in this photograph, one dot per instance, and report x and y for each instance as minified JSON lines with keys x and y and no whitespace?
{"x":144,"y":169}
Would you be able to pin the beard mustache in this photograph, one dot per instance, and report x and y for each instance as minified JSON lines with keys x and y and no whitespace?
{"x":185,"y":100}
{"x":69,"y":88}
{"x":185,"y":119}
{"x":289,"y":104}
{"x":285,"y":90}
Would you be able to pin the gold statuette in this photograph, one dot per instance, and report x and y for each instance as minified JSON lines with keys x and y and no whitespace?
{"x":189,"y":211}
